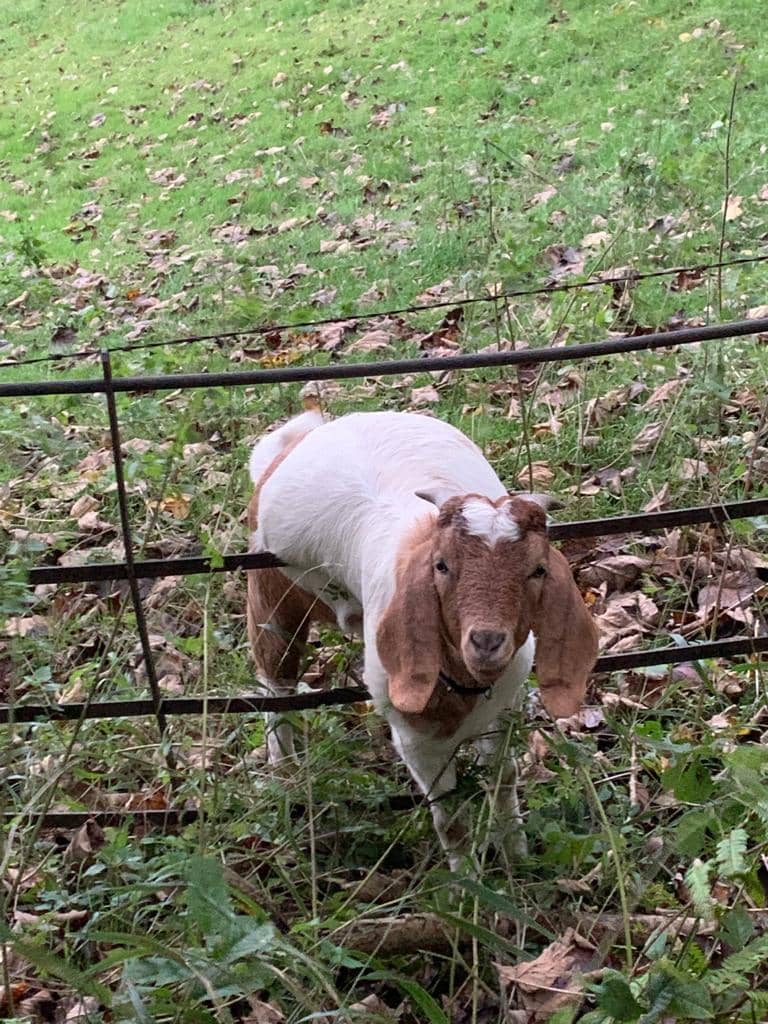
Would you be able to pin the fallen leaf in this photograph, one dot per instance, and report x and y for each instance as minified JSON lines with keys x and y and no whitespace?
{"x":323,"y":296}
{"x":91,"y":523}
{"x":427,"y":395}
{"x":600,"y":410}
{"x":595,"y":240}
{"x":564,"y":260}
{"x":88,"y":839}
{"x":540,"y":475}
{"x":659,"y":501}
{"x":539,"y":198}
{"x":551,"y":981}
{"x":263,"y":1013}
{"x":176,"y":505}
{"x":26,"y":625}
{"x":371,"y":341}
{"x":648,"y":438}
{"x":693,"y":469}
{"x":665,"y":391}
{"x":687,"y":280}
{"x":618,"y":571}
{"x":733,"y":208}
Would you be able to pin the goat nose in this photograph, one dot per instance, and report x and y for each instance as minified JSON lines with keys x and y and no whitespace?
{"x":486,"y":641}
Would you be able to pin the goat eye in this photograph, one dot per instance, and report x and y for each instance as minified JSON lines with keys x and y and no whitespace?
{"x":540,"y":570}
{"x":440,"y":566}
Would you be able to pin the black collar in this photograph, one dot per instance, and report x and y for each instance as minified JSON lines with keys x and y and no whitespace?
{"x":463,"y":691}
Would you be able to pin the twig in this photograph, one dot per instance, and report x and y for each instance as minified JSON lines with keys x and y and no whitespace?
{"x":491,"y":227}
{"x":727,"y":196}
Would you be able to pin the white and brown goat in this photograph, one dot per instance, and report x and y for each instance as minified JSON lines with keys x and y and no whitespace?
{"x":395,"y":525}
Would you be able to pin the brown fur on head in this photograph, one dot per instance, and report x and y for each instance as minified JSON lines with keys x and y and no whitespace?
{"x":470,"y":586}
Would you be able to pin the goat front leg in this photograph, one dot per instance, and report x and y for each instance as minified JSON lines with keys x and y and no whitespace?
{"x":279,"y":614}
{"x":433,"y":768}
{"x":493,"y":751}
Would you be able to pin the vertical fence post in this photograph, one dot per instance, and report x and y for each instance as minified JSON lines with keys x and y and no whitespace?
{"x":133,"y":583}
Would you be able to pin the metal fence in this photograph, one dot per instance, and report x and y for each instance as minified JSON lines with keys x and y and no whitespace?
{"x":133,"y":570}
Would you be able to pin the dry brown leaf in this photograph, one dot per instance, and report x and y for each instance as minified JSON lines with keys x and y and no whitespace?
{"x":83,"y":1011}
{"x":664,"y":392}
{"x":176,"y":505}
{"x":263,"y":1013}
{"x":617,"y":572}
{"x":323,"y":296}
{"x":86,"y":503}
{"x":540,"y":475}
{"x":648,"y":438}
{"x":539,"y":198}
{"x":371,"y":341}
{"x":88,"y":839}
{"x":371,"y":296}
{"x":733,"y":208}
{"x":428,"y":395}
{"x":732,"y":596}
{"x":692,"y":469}
{"x":91,"y":523}
{"x":600,"y":410}
{"x":595,"y":240}
{"x":26,"y":625}
{"x":564,"y":260}
{"x":551,"y":981}
{"x":659,"y":501}
{"x":288,"y":225}
{"x":372,"y":1004}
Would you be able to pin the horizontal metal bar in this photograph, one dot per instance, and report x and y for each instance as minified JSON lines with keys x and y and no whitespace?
{"x":391,"y":367}
{"x":184,"y":816}
{"x":235,"y":705}
{"x":643,"y":521}
{"x":347,"y":695}
{"x":150,"y":569}
{"x":154,"y":568}
{"x":731,"y":648}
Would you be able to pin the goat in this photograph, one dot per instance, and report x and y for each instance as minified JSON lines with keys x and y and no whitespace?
{"x":395,"y":526}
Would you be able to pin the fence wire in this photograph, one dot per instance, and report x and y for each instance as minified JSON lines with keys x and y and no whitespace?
{"x":607,"y":278}
{"x":160,"y":707}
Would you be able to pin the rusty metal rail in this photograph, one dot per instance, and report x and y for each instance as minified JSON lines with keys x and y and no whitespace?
{"x":132,"y":570}
{"x":245,"y":704}
{"x":158,"y":567}
{"x":389,"y":367}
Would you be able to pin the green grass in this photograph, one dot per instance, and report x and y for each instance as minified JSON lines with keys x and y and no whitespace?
{"x":174,"y":168}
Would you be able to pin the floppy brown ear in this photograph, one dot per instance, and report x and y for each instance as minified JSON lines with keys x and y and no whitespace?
{"x":408,"y":634}
{"x":566,"y":641}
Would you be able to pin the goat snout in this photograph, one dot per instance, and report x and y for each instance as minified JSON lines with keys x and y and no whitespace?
{"x":486,"y":642}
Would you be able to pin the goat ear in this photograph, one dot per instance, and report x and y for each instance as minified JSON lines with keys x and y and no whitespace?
{"x":566,"y":641}
{"x":408,"y":634}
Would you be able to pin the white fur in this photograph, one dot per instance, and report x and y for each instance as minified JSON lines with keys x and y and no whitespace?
{"x":269,"y":447}
{"x":485,"y":520}
{"x":336,"y":510}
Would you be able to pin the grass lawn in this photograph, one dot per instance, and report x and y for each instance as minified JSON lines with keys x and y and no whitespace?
{"x":182,"y":168}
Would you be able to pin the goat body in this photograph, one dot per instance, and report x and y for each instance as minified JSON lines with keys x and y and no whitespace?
{"x":395,"y":525}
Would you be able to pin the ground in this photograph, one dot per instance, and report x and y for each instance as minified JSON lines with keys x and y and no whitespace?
{"x":183,"y":168}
